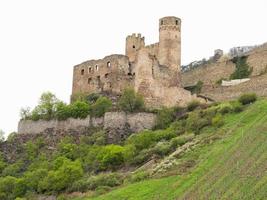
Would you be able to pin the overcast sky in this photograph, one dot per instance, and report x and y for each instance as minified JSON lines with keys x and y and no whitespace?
{"x":41,"y":41}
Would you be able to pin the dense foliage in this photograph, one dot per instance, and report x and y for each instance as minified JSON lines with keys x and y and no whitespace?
{"x":50,"y":107}
{"x":91,"y":163}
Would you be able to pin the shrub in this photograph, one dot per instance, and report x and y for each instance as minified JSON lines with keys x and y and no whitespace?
{"x":195,"y":122}
{"x":162,"y":148}
{"x":142,"y":156}
{"x":237,"y":107}
{"x":217,"y":121}
{"x":138,"y":176}
{"x":92,"y":98}
{"x":60,"y":179}
{"x":247,"y":98}
{"x":111,"y":156}
{"x":98,"y":138}
{"x":13,"y":169}
{"x":130,"y":101}
{"x":62,"y":111}
{"x":11,"y":187}
{"x":164,"y":118}
{"x":225,"y":108}
{"x":102,"y":105}
{"x":181,"y":140}
{"x":193,"y":105}
{"x":142,"y":140}
{"x":79,"y":109}
{"x":95,"y":182}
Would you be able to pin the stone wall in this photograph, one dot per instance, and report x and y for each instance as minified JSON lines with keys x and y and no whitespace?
{"x":210,"y":73}
{"x":257,"y":84}
{"x":118,"y":125}
{"x":110,"y":74}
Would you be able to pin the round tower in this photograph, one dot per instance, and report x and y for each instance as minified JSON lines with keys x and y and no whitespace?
{"x":170,"y":42}
{"x":133,"y":44}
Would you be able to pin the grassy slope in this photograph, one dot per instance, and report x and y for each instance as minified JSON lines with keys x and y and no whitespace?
{"x":234,"y":167}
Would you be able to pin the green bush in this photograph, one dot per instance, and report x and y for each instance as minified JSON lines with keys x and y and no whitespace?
{"x":95,"y":182}
{"x":60,"y":179}
{"x":11,"y":187}
{"x":62,"y":111}
{"x":137,"y":177}
{"x":111,"y":156}
{"x":13,"y":169}
{"x":162,"y":148}
{"x":247,"y":98}
{"x":130,"y":101}
{"x":79,"y":109}
{"x":165,"y":117}
{"x":102,"y":105}
{"x":195,"y":122}
{"x":33,"y":178}
{"x":181,"y":140}
{"x":217,"y":121}
{"x":142,"y":140}
{"x":193,"y":105}
{"x":97,"y":138}
{"x":92,"y":98}
{"x":237,"y":106}
{"x":225,"y":108}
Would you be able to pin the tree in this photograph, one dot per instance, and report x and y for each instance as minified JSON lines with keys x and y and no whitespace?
{"x":102,"y":105}
{"x":2,"y":136}
{"x":242,"y":69}
{"x":46,"y":108}
{"x":130,"y":101}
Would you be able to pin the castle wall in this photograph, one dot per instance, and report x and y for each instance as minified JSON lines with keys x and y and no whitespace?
{"x":210,"y":73}
{"x":257,"y":84}
{"x":158,"y":84}
{"x":111,"y":74}
{"x":117,"y":125}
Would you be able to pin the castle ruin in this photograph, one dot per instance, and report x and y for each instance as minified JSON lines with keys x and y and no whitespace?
{"x":154,"y":70}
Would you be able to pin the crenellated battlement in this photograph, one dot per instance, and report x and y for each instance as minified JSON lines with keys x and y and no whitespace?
{"x":152,"y":70}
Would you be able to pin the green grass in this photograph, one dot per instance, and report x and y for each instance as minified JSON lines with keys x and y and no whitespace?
{"x":232,"y":167}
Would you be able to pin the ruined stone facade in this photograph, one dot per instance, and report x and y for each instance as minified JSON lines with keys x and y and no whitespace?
{"x":153,"y":70}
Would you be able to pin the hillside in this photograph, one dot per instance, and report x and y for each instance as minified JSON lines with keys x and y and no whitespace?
{"x":202,"y":151}
{"x":231,"y":163}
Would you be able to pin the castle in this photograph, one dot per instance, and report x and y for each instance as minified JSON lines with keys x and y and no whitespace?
{"x":154,"y":71}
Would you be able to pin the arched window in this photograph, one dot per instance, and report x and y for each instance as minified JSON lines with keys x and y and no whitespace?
{"x":106,"y":75}
{"x":108,"y":64}
{"x":90,"y":70}
{"x":89,"y":80}
{"x":176,"y":22}
{"x":96,"y":67}
{"x":82,"y":72}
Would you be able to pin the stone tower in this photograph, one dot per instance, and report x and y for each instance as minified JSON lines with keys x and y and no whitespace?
{"x":133,"y":44}
{"x":170,"y":42}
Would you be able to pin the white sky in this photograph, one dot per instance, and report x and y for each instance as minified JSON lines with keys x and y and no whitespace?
{"x":40,"y":41}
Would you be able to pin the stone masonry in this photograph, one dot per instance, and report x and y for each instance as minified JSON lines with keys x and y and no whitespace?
{"x":152,"y":70}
